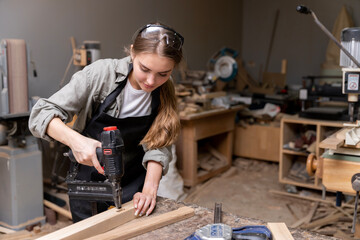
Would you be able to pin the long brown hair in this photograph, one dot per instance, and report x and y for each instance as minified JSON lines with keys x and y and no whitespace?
{"x":166,"y":126}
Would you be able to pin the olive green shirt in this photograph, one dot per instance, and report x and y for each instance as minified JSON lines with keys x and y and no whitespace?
{"x":86,"y":90}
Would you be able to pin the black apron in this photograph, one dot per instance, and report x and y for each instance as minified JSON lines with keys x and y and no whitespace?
{"x":133,"y":130}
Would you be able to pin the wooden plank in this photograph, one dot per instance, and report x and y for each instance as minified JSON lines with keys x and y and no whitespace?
{"x":211,"y":113}
{"x":24,"y":224}
{"x":307,"y":218}
{"x":309,"y":198}
{"x":145,"y":224}
{"x":212,"y":95}
{"x":331,"y":219}
{"x":280,"y":231}
{"x":217,"y":154}
{"x":6,"y":230}
{"x":332,"y":142}
{"x":23,"y":234}
{"x":58,"y":209}
{"x":97,"y":224}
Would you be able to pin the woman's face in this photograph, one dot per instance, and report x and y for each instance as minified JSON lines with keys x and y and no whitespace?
{"x":150,"y":71}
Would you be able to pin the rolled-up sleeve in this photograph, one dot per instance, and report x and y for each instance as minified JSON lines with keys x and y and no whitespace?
{"x":40,"y":117}
{"x":160,"y":155}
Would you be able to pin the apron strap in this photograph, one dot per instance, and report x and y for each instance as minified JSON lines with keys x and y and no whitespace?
{"x":107,"y":102}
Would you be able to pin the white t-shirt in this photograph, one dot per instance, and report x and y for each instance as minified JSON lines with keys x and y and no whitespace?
{"x":136,"y":103}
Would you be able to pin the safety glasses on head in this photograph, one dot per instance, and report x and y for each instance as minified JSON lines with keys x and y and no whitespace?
{"x":157,"y":33}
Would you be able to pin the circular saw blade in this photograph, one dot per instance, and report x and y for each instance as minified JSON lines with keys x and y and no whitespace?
{"x":226,"y":68}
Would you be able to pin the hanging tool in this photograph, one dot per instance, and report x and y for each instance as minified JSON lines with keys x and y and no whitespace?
{"x":111,"y":158}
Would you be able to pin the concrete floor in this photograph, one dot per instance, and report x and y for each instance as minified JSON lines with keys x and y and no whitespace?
{"x":244,"y":190}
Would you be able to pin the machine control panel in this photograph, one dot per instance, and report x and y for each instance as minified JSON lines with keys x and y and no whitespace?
{"x":351,"y":81}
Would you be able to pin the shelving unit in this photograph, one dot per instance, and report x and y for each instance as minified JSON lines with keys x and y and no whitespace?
{"x":290,"y":128}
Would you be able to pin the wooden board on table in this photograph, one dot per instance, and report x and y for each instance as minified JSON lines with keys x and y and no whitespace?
{"x":145,"y":224}
{"x":280,"y":231}
{"x":96,"y":224}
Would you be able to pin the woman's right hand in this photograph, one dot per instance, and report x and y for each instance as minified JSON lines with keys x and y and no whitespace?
{"x":84,"y":150}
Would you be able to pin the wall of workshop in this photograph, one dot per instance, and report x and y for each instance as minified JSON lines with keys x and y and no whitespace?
{"x":207,"y":26}
{"x":298,"y":39}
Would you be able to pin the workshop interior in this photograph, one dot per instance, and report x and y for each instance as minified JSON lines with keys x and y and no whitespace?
{"x":268,"y":103}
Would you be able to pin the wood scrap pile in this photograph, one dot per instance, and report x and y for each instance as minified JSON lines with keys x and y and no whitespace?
{"x":329,"y":220}
{"x":190,"y":101}
{"x":325,"y":218}
{"x":210,"y":159}
{"x":248,"y":117}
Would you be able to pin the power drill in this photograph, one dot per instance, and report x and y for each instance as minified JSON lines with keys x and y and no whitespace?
{"x":110,"y":156}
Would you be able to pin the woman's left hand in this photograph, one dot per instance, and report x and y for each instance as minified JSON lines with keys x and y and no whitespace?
{"x":145,"y":201}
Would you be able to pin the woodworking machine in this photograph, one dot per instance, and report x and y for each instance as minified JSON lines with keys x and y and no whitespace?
{"x":224,"y":64}
{"x":88,"y":53}
{"x":339,"y":166}
{"x":349,"y":59}
{"x":21,"y":198}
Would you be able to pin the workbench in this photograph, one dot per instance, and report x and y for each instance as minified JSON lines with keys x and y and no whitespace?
{"x":204,"y":216}
{"x":176,"y":230}
{"x":214,"y":127}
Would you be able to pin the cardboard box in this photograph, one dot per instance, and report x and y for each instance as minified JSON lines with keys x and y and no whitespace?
{"x":258,"y":142}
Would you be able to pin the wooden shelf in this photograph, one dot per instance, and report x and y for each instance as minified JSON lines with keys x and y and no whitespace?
{"x":290,"y":127}
{"x":292,"y":152}
{"x":302,"y":184}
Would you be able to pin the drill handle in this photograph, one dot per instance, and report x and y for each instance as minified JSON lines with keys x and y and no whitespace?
{"x":99,"y":155}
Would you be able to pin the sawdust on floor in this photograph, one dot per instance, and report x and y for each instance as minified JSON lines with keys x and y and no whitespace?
{"x":244,"y":190}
